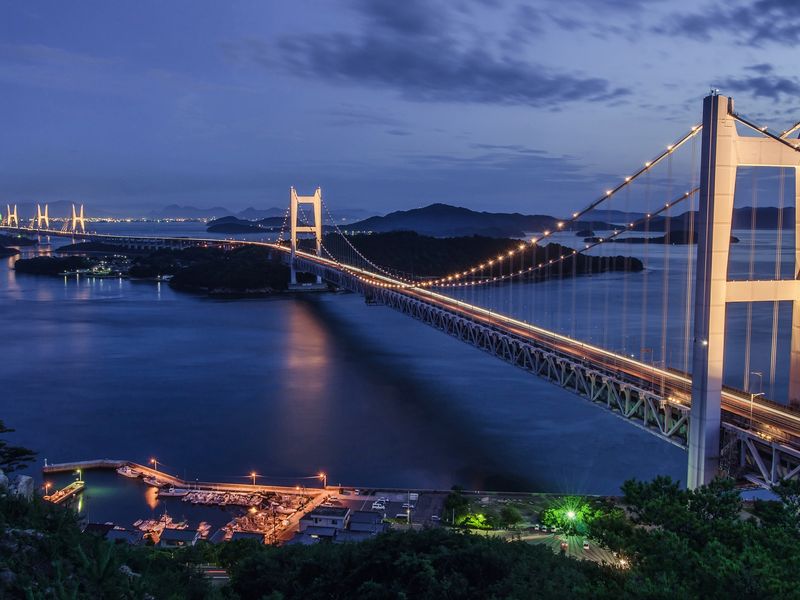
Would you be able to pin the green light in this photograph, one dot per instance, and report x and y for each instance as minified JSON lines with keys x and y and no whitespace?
{"x":571,"y":515}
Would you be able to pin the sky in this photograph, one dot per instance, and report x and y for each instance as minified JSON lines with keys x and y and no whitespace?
{"x":500,"y":105}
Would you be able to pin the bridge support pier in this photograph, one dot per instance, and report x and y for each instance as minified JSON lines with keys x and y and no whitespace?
{"x":723,"y":151}
{"x":295,"y":205}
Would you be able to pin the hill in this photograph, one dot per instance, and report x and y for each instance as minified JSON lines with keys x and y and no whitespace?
{"x":444,"y":220}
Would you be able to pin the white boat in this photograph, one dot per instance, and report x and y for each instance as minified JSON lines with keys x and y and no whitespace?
{"x":128,"y":471}
{"x":153,"y":482}
{"x":173,"y":491}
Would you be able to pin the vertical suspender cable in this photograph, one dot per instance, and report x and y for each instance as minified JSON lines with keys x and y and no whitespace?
{"x":778,"y":270}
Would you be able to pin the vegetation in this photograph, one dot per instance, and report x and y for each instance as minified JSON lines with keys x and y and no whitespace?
{"x":420,"y":255}
{"x":243,"y":269}
{"x":51,"y":265}
{"x":13,"y":458}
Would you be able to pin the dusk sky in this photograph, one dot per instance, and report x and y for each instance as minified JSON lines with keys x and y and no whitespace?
{"x":387,"y":104}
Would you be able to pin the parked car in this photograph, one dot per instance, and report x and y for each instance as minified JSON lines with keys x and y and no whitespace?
{"x":378,"y":505}
{"x":407,"y":505}
{"x":435,"y":518}
{"x":536,"y":527}
{"x":585,"y":544}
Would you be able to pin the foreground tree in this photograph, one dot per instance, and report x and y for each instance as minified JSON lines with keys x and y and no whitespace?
{"x":13,"y":458}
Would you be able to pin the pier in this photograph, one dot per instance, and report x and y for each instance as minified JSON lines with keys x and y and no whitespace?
{"x":165,"y":479}
{"x":66,"y":493}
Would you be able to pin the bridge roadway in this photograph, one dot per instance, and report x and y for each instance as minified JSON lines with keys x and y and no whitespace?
{"x":761,"y":439}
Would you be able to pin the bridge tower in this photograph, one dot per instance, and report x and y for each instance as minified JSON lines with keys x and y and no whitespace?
{"x":42,"y":217}
{"x":12,"y":220}
{"x":78,"y":220}
{"x":295,"y":206}
{"x":723,"y":151}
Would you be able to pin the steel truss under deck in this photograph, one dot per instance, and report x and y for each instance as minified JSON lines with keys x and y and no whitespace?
{"x":744,"y":453}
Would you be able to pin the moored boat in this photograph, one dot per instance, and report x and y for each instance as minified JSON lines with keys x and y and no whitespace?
{"x":173,"y":491}
{"x":128,"y":471}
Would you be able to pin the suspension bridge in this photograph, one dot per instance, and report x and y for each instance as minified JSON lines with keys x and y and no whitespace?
{"x":675,"y":347}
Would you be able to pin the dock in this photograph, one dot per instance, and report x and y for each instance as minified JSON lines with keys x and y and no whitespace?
{"x":66,"y":493}
{"x":165,"y":479}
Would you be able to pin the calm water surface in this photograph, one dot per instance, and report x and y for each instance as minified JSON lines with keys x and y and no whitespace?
{"x":287,"y":387}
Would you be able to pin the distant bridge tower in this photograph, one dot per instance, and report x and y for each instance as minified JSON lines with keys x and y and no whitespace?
{"x":295,"y":205}
{"x":42,"y":217}
{"x":723,"y":151}
{"x":12,"y":220}
{"x":78,"y":220}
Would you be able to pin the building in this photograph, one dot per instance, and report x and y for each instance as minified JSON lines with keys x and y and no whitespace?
{"x":127,"y":536}
{"x":367,"y":521}
{"x":361,"y":525}
{"x":248,"y":535}
{"x":326,"y":516}
{"x":177,"y":538}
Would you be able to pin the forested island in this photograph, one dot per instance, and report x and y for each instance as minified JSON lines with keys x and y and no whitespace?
{"x":259,"y":270}
{"x":425,"y":256}
{"x":10,"y":244}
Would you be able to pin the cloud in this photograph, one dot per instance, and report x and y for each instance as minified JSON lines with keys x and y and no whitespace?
{"x":755,"y":22}
{"x":405,"y":48}
{"x":763,"y":85}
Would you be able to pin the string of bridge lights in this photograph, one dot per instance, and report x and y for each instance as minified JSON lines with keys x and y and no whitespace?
{"x":563,"y":257}
{"x":359,"y":253}
{"x":444,"y":280}
{"x":765,"y":131}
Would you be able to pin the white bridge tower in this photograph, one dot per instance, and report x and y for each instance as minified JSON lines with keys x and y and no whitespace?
{"x":295,"y":206}
{"x":42,"y":217}
{"x":723,"y":151}
{"x":78,"y":220}
{"x":12,"y":220}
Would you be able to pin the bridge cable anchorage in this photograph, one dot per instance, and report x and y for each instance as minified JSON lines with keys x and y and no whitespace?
{"x":548,"y":263}
{"x":609,"y":193}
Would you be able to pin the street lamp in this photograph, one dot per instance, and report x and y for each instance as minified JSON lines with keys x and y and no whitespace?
{"x":154,"y":462}
{"x":253,"y":474}
{"x":47,"y":485}
{"x":80,"y":474}
{"x":754,"y":396}
{"x":324,"y":478}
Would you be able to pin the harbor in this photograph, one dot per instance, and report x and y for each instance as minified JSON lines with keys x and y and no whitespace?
{"x":267,"y":511}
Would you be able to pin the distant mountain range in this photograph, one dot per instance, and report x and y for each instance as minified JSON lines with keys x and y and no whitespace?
{"x":174,"y":211}
{"x":444,"y":220}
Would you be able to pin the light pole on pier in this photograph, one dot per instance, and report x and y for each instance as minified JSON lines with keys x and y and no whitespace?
{"x":253,"y":474}
{"x":154,"y":462}
{"x":324,"y":479}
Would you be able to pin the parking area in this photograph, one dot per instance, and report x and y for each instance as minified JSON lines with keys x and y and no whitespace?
{"x":425,"y":508}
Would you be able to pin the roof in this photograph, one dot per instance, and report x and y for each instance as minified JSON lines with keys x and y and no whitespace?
{"x":345,"y":535}
{"x":365,"y":516}
{"x":320,"y":531}
{"x":329,"y":511}
{"x":179,"y":535}
{"x":302,"y":540}
{"x":98,"y":528}
{"x":125,"y":535}
{"x":247,"y":535}
{"x":368,"y":527}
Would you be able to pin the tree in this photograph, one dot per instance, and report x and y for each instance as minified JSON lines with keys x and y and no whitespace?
{"x":13,"y":458}
{"x":510,"y":516}
{"x":456,"y":505}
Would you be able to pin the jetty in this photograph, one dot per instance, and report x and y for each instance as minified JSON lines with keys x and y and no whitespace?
{"x":164,"y":479}
{"x":66,"y":493}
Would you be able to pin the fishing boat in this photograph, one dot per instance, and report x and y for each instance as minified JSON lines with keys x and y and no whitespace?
{"x":128,"y":471}
{"x":173,"y":491}
{"x":153,"y":482}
